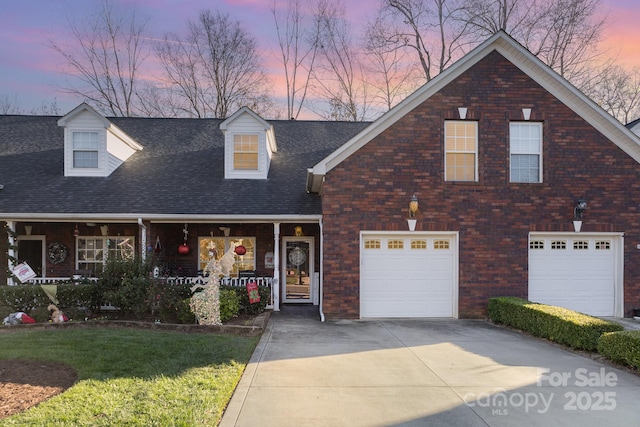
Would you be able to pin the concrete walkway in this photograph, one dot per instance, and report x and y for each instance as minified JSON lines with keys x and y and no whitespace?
{"x":428,"y":372}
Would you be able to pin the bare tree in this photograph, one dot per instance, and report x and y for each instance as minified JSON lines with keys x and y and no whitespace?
{"x":338,"y":76}
{"x":392,"y":75}
{"x":618,"y":92}
{"x":106,"y":59}
{"x":216,"y":68}
{"x":564,"y":34}
{"x":8,"y":105}
{"x":298,"y":50}
{"x":428,"y":29}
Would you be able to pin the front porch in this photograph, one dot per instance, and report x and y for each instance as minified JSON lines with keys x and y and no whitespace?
{"x":65,"y":250}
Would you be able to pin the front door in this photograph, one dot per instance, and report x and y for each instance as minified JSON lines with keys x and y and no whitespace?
{"x":298,"y":266}
{"x":31,"y":251}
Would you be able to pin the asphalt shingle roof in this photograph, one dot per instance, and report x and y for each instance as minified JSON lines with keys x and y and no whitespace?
{"x":179,"y":171}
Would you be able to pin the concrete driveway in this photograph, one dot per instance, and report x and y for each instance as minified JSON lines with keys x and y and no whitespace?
{"x":439,"y":372}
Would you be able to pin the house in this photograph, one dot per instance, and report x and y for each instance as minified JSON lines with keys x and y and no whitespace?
{"x":495,"y":178}
{"x":634,"y":126}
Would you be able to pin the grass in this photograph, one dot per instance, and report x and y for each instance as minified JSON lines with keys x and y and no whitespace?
{"x":133,"y":377}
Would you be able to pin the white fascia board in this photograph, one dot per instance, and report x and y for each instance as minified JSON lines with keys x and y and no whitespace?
{"x":124,"y":137}
{"x":64,"y":120}
{"x":244,"y":110}
{"x":132,"y":217}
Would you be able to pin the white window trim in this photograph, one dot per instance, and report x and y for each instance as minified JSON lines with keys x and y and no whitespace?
{"x":105,"y":248}
{"x":539,"y":153}
{"x":70,"y":169}
{"x":474,"y":152}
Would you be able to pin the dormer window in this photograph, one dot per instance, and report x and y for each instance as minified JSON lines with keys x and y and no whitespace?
{"x":249,"y":145}
{"x":93,"y":146}
{"x":245,"y":151}
{"x":85,"y":149}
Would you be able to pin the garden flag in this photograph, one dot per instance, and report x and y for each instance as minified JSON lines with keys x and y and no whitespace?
{"x":254,"y":294}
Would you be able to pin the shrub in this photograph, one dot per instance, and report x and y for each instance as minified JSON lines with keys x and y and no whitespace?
{"x":245,"y":306}
{"x":621,"y":347}
{"x":169,"y":302}
{"x":126,"y":284}
{"x":184,"y":313}
{"x":557,"y":324}
{"x":229,"y":304}
{"x":30,"y":297}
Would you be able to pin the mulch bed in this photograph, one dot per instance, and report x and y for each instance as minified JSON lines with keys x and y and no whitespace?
{"x":25,"y":383}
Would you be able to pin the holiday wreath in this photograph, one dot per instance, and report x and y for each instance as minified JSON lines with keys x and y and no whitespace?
{"x":57,"y":253}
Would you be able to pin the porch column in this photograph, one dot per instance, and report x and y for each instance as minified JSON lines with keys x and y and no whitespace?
{"x":143,"y":239}
{"x":276,"y":266}
{"x":11,"y":225}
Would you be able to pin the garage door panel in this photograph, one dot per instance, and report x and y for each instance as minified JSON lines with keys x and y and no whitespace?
{"x":415,"y":281}
{"x":573,"y":277}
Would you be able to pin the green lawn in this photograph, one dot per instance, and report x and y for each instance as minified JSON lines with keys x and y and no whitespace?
{"x":132,"y":377}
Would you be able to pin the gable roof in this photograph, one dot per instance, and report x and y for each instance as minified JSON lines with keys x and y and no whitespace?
{"x":179,"y":174}
{"x":522,"y":59}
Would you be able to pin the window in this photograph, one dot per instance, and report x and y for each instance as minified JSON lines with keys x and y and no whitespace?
{"x":461,"y":150}
{"x":395,"y":244}
{"x":536,"y":244}
{"x":85,"y":149}
{"x":558,"y":244}
{"x":525,"y":142}
{"x":581,"y":245}
{"x":94,"y":251}
{"x":603,"y":245}
{"x":245,"y":151}
{"x":440,"y":244}
{"x":217,"y":246}
{"x":418,"y":244}
{"x":372,"y":244}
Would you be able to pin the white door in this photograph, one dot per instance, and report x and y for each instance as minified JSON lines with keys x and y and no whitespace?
{"x":575,"y":271}
{"x":408,"y":275}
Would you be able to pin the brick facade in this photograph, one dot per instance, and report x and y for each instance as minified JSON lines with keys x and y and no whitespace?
{"x":370,"y":190}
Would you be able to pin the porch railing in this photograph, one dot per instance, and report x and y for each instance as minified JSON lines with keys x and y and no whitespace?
{"x":199,"y":280}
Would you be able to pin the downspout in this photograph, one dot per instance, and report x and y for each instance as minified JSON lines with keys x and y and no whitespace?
{"x":321,"y":271}
{"x":143,"y":239}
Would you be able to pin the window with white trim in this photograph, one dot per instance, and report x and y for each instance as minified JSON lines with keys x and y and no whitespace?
{"x":525,"y":147}
{"x":440,"y":244}
{"x":93,"y":252}
{"x":395,"y":244}
{"x":581,"y":245}
{"x":245,"y":151}
{"x":216,"y":247}
{"x":536,"y":244}
{"x":372,"y":244}
{"x":85,"y":149}
{"x":418,"y":244}
{"x":558,"y":244}
{"x":461,"y":150}
{"x":603,"y":245}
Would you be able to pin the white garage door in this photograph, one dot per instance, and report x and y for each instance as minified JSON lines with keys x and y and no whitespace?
{"x":574,"y":271}
{"x":408,"y":275}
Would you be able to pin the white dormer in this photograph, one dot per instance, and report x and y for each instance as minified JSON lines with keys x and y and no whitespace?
{"x":249,"y":144}
{"x":93,"y":146}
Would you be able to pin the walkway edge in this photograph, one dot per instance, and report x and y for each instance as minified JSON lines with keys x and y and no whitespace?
{"x":232,"y":412}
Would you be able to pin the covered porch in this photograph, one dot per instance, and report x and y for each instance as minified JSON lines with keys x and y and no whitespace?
{"x":281,"y":253}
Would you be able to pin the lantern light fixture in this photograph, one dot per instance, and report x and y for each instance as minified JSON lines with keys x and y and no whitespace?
{"x":413,"y":206}
{"x":578,"y":211}
{"x":76,"y":232}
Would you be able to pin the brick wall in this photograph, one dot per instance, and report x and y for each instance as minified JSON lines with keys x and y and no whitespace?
{"x":371,"y":189}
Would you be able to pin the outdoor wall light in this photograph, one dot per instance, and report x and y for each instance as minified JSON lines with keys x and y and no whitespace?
{"x":578,"y":211}
{"x":104,"y":230}
{"x":76,"y":232}
{"x":413,"y":208}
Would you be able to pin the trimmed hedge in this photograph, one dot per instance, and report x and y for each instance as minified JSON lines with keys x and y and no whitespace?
{"x":147,"y":297}
{"x":621,"y":347}
{"x":557,"y":324}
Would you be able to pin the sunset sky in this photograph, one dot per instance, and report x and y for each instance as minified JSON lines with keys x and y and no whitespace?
{"x":30,"y":70}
